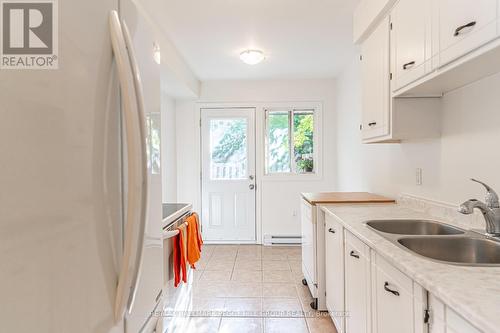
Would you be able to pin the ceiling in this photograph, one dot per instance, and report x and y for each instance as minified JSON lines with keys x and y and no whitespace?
{"x":301,"y":38}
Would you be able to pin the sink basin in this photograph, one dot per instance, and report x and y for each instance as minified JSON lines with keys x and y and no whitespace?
{"x":455,"y":250}
{"x":413,"y":227}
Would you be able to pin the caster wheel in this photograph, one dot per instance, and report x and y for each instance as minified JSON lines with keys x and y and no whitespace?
{"x":314,"y":304}
{"x":304,"y":282}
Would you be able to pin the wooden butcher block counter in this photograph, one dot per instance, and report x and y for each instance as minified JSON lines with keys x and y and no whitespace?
{"x":344,"y":198}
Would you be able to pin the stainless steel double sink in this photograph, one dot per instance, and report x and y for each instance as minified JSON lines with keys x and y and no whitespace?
{"x":440,"y":242}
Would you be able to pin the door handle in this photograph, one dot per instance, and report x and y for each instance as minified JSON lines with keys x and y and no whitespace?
{"x":331,"y":230}
{"x":408,"y":65}
{"x":251,"y":177}
{"x":386,"y":287}
{"x":354,"y":255}
{"x":372,"y":123}
{"x":251,"y":186}
{"x":462,"y":27}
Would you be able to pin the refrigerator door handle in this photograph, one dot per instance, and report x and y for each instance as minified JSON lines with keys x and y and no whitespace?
{"x":141,"y":116}
{"x":135,"y":211}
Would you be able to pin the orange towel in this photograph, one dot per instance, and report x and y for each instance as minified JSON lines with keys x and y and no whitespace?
{"x":194,"y":240}
{"x":179,"y":247}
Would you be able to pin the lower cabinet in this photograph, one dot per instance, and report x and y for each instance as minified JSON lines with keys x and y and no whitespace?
{"x":334,"y":271}
{"x":399,"y":304}
{"x":357,"y":285}
{"x":375,"y":295}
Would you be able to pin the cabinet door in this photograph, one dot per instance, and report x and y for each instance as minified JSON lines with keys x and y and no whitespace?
{"x":410,"y":35}
{"x":334,"y":271}
{"x":393,"y":299}
{"x":465,"y":25}
{"x":357,"y":285}
{"x":308,"y":226}
{"x":375,"y":77}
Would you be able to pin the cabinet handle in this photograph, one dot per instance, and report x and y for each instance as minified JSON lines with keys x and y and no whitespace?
{"x":372,"y":123}
{"x":331,"y":230}
{"x":386,"y":287}
{"x":408,"y":65}
{"x":462,"y":27}
{"x":353,"y":254}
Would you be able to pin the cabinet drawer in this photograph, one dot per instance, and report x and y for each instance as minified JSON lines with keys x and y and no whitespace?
{"x":465,"y":25}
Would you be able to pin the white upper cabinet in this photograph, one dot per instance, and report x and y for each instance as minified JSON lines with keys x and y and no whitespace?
{"x":375,"y":77}
{"x":334,"y":271}
{"x":411,"y":41}
{"x":465,"y":25}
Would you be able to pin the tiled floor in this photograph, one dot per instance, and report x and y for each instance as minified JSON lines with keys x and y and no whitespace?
{"x":244,"y":288}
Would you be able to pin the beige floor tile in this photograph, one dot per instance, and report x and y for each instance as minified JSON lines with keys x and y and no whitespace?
{"x":303,"y":291}
{"x":277,"y":276}
{"x":241,"y":325}
{"x":248,"y":264}
{"x":243,"y":289}
{"x":274,"y":256}
{"x":206,"y":307}
{"x":223,"y":256}
{"x":243,"y":307}
{"x":209,"y":289}
{"x":322,"y":324}
{"x":220,"y":265}
{"x":275,"y":265}
{"x":191,"y":325}
{"x":279,"y":290}
{"x":246,"y":276}
{"x":216,"y":276}
{"x":282,"y":307}
{"x":285,"y":325}
{"x":297,"y":277}
{"x":295,"y":265}
{"x":294,"y":256}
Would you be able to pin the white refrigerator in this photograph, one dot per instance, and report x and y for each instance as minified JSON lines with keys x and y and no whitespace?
{"x":80,"y":182}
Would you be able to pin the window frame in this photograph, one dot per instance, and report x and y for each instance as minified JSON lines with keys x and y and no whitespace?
{"x":316,"y":109}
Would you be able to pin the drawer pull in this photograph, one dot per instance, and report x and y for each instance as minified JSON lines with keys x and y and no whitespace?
{"x":408,"y":65}
{"x":353,"y":254}
{"x":386,"y":287}
{"x":331,"y":230}
{"x":372,"y":123}
{"x":462,"y":27}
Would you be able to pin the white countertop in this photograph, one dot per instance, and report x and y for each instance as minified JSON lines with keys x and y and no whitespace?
{"x":473,"y":292}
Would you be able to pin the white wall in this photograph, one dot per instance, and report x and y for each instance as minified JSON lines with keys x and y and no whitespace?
{"x":468,"y":146}
{"x":280,"y":198}
{"x":168,"y":150}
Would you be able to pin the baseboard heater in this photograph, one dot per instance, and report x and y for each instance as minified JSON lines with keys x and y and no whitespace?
{"x":282,"y":240}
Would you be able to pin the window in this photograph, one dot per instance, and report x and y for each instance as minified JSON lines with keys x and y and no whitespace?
{"x":290,"y":141}
{"x":228,"y":149}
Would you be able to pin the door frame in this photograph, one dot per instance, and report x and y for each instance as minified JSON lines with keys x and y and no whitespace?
{"x":260,"y":134}
{"x":257,"y":230}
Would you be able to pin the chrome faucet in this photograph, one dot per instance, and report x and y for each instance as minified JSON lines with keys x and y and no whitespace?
{"x":490,"y":209}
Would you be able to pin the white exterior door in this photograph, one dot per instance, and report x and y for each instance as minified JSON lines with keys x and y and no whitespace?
{"x":228,"y":174}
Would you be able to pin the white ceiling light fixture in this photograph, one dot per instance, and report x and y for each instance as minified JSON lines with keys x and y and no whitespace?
{"x":252,"y":57}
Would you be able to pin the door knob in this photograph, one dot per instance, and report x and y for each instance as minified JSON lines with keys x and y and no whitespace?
{"x":251,"y":186}
{"x":251,"y":177}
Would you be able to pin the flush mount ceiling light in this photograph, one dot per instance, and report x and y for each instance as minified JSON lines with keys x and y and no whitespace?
{"x":252,"y":57}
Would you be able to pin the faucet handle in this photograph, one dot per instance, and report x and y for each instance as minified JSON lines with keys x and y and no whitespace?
{"x":491,"y":196}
